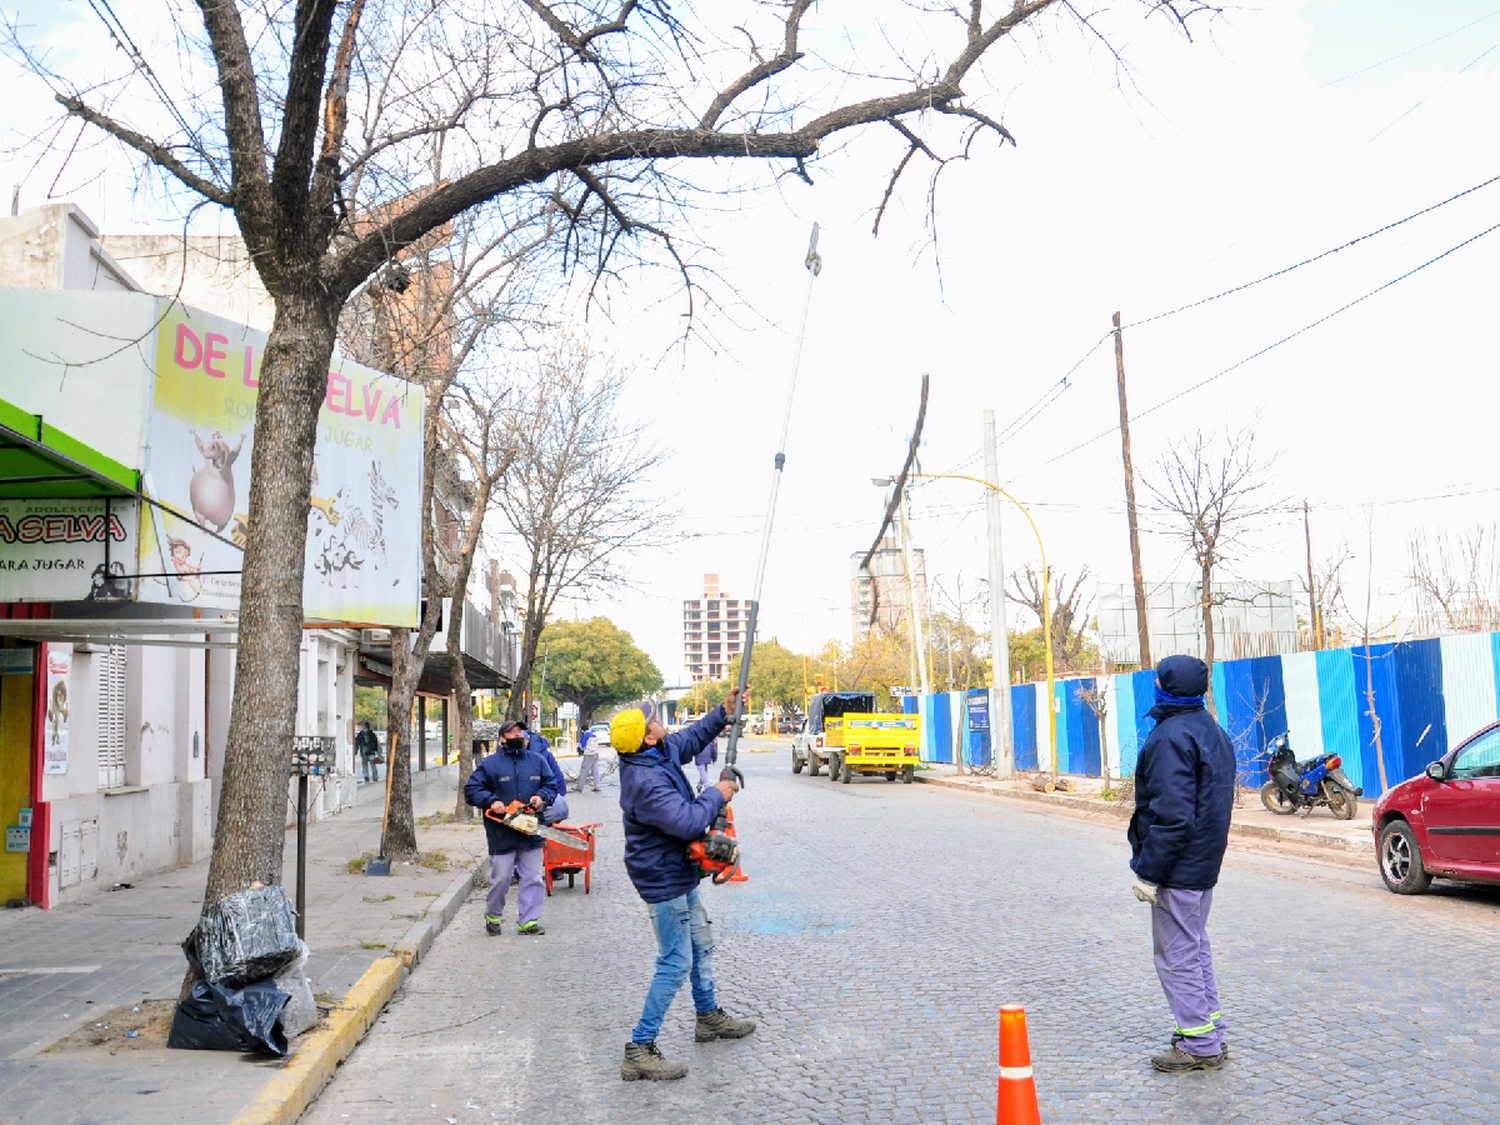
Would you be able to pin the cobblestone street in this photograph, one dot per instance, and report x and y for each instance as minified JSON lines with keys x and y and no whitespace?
{"x":882,"y":927}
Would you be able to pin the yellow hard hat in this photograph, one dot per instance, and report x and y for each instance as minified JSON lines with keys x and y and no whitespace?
{"x":627,"y":730}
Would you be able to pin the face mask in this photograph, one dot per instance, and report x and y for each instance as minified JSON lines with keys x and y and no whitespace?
{"x":515,"y":743}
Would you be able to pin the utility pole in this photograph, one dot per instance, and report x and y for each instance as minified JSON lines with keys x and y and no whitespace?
{"x":913,"y":615}
{"x":1000,"y":729}
{"x":1143,"y":627}
{"x":1315,"y":620}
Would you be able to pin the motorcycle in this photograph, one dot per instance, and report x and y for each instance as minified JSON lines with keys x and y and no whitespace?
{"x":1298,"y":785}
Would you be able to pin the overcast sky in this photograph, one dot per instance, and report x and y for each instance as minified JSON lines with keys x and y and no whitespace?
{"x":1280,"y":132}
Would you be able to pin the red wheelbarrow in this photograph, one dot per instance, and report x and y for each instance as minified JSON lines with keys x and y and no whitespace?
{"x":558,"y":860}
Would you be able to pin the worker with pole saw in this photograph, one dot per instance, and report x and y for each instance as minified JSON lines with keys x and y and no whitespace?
{"x":673,"y":841}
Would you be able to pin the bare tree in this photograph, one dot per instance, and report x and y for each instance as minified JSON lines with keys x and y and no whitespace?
{"x":573,"y":499}
{"x":1456,"y":579}
{"x":1070,"y":612}
{"x":1210,"y":495}
{"x":298,"y":118}
{"x":1327,"y":595}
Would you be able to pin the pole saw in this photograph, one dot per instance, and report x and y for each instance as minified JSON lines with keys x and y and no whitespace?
{"x":717,"y":852}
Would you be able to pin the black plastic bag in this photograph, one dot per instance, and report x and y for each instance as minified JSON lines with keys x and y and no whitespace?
{"x":214,"y":1018}
{"x":245,"y":937}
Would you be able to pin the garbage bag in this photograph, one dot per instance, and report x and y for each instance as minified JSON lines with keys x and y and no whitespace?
{"x":245,"y":937}
{"x":301,"y":1011}
{"x":214,"y":1018}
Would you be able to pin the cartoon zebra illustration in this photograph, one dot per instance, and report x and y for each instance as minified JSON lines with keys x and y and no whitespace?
{"x":369,"y":531}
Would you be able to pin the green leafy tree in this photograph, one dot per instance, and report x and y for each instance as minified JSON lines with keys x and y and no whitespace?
{"x":595,"y":664}
{"x":775,"y":676}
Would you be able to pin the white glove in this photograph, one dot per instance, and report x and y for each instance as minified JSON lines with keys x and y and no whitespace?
{"x":1145,"y":891}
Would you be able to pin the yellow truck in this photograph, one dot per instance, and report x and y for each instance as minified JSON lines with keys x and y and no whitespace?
{"x":843,"y":733}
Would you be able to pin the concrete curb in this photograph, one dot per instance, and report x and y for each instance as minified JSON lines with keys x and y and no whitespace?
{"x":298,"y":1084}
{"x":1303,"y":836}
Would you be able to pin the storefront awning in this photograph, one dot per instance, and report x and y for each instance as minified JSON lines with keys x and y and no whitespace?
{"x":40,"y":462}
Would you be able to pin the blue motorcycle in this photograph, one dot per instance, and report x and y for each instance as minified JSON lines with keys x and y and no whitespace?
{"x":1298,"y":785}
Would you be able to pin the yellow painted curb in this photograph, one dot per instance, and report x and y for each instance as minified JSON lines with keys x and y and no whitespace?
{"x":293,"y":1089}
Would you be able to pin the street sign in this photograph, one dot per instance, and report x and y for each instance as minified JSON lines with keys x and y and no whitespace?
{"x":900,"y":690}
{"x":536,"y":712}
{"x":567,"y":710}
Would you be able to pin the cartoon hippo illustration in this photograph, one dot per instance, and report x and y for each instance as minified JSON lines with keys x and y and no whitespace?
{"x":212,"y":489}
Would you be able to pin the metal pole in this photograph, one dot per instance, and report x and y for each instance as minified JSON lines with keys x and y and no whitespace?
{"x":1142,"y":622}
{"x":913,"y":612}
{"x":1005,"y":746}
{"x":302,"y":853}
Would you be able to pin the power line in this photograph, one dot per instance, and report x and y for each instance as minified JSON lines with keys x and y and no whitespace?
{"x":1410,"y":50}
{"x":1268,"y":348}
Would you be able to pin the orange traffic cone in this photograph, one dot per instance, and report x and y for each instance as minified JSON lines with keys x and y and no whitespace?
{"x":1016,"y":1103}
{"x":739,"y":875}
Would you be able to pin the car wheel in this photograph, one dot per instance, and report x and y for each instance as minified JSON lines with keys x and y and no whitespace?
{"x":848,"y":773}
{"x":890,"y":775}
{"x":1401,"y":860}
{"x":835,"y":767}
{"x":1276,"y":800}
{"x":796,"y":763}
{"x":908,"y":774}
{"x":812,"y":764}
{"x":1341,"y":802}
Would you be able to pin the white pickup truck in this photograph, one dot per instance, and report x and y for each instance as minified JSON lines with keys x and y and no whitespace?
{"x":817,"y":747}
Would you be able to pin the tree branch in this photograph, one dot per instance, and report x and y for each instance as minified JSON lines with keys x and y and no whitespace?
{"x":292,"y":171}
{"x":158,"y":154}
{"x":761,"y":71}
{"x":250,"y":185}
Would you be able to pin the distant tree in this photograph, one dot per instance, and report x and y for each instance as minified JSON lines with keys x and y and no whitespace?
{"x":1456,"y":579}
{"x":596,"y":665}
{"x":775,"y":675}
{"x":1210,"y":495}
{"x":1070,"y":614}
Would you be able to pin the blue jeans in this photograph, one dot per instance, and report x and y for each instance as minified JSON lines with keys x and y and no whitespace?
{"x":684,"y":945}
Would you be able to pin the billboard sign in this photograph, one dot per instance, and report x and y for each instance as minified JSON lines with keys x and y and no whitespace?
{"x":55,"y":550}
{"x":363,"y":561}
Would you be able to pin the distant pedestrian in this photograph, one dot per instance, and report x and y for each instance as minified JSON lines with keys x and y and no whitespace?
{"x":705,"y":758}
{"x":661,"y":819}
{"x":1184,"y":791}
{"x":588,"y":746}
{"x":367,"y":746}
{"x":515,"y":772}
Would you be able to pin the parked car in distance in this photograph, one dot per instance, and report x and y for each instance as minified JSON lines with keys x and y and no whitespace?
{"x":601,"y":732}
{"x":1445,"y":822}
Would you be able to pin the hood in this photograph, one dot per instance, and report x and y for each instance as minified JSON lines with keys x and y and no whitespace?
{"x":1182,"y":676}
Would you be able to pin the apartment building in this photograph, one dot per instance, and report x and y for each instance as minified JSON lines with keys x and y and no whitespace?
{"x":715,"y":629}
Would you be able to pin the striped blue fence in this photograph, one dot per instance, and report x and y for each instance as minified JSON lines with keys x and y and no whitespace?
{"x":1427,"y":696}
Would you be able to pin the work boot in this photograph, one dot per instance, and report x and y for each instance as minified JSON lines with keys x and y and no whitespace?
{"x":493,"y":926}
{"x":1178,"y":1061}
{"x":719,"y":1024}
{"x":530,"y":929}
{"x":643,"y":1060}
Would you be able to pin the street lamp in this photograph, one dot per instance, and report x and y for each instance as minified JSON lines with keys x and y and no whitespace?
{"x":1000,"y":673}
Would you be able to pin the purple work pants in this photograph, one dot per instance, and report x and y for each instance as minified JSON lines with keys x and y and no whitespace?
{"x":529,"y":896}
{"x":702,"y":776}
{"x":589,"y":770}
{"x":1185,"y":965}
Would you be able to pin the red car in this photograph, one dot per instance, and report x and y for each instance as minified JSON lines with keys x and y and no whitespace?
{"x":1445,"y":822}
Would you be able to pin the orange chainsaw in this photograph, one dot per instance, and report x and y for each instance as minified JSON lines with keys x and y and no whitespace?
{"x":519,"y":818}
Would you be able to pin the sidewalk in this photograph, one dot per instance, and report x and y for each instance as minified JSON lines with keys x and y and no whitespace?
{"x":62,"y":971}
{"x":1250,"y":822}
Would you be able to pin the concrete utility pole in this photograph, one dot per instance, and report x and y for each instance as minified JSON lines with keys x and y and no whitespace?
{"x":1000,"y":728}
{"x":913,"y":615}
{"x":1142,"y":625}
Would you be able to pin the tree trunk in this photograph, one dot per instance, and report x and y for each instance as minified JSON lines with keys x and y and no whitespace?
{"x":401,"y":829}
{"x":251,"y":835}
{"x":463,"y":706}
{"x":1208,"y":640}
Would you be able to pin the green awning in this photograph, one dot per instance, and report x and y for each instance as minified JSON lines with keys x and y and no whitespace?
{"x":40,"y":462}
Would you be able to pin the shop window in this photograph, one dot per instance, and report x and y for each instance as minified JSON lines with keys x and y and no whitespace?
{"x":112,"y":718}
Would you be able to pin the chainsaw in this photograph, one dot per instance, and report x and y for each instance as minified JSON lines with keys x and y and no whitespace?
{"x":716,"y":853}
{"x":517,"y":817}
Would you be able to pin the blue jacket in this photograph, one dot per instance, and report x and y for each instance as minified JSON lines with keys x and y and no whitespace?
{"x":510,"y":775}
{"x":1184,"y":791}
{"x":661,"y":815}
{"x":537,"y":742}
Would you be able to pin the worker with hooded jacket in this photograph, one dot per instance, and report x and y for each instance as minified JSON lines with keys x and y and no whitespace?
{"x":515,"y":772}
{"x":661,"y":818}
{"x":1184,"y":791}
